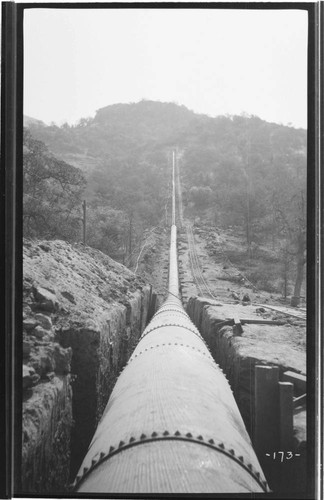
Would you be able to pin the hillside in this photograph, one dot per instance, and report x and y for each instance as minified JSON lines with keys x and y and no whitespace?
{"x":33,"y":122}
{"x":237,"y":171}
{"x":129,"y":128}
{"x":119,"y":129}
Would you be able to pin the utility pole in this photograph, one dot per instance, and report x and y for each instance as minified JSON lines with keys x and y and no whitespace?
{"x":173,"y":188}
{"x":84,"y":220}
{"x":130,"y":236}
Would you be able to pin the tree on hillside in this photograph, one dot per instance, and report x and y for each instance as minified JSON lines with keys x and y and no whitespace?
{"x":107,"y":230}
{"x":201,"y":196}
{"x":52,"y":193}
{"x":291,"y":217}
{"x":135,"y":187}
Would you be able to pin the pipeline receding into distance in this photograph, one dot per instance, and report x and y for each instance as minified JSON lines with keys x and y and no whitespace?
{"x":171,"y":424}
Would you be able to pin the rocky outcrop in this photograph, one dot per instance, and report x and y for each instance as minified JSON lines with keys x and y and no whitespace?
{"x":83,"y":312}
{"x":47,"y":421}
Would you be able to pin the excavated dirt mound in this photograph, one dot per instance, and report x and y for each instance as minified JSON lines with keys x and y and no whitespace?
{"x":73,"y":274}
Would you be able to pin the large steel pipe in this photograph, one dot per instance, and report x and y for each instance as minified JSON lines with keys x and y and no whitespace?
{"x":171,"y":424}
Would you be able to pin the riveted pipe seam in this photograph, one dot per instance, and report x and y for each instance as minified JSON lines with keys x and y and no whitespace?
{"x":162,"y":310}
{"x":168,"y":345}
{"x":172,"y":324}
{"x":210,"y":443}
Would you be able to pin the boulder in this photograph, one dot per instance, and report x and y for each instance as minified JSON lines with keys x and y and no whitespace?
{"x":29,"y":324}
{"x":39,"y":332}
{"x":44,"y":247}
{"x":51,"y":357}
{"x":69,"y":297}
{"x":46,"y":300}
{"x":30,"y":377}
{"x":44,"y":320}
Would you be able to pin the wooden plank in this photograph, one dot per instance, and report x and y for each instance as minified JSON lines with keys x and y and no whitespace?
{"x":266,"y":409}
{"x":237,"y":328}
{"x":283,"y":311}
{"x":253,"y":321}
{"x":301,"y":400}
{"x":297,"y":379}
{"x":286,"y":408}
{"x":262,"y":322}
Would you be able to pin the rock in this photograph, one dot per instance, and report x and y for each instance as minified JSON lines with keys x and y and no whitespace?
{"x":30,"y":377}
{"x":39,"y":332}
{"x":46,"y":300}
{"x":29,"y":324}
{"x":26,"y":376}
{"x":69,"y":296}
{"x":260,"y":310}
{"x":42,"y":361}
{"x":50,"y":357}
{"x":44,"y":320}
{"x":26,"y":349}
{"x":235,"y":296}
{"x":44,"y":247}
{"x":246,"y":298}
{"x":45,"y":447}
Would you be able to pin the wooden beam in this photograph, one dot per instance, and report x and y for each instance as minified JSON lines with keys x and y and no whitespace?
{"x":262,"y":322}
{"x":237,"y":327}
{"x":278,"y":309}
{"x":266,"y":409}
{"x":297,"y":379}
{"x":256,"y":321}
{"x":301,"y":400}
{"x":286,"y":408}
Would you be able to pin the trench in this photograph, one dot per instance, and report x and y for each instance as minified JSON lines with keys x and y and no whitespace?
{"x":98,"y":356}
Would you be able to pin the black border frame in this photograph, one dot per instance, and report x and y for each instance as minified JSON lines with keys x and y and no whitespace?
{"x":11,"y":210}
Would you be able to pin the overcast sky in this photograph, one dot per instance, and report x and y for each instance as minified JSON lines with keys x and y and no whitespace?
{"x":212,"y":61}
